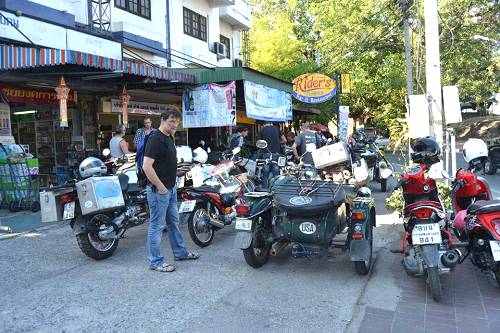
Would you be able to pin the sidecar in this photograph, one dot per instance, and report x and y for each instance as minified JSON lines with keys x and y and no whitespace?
{"x":307,"y":215}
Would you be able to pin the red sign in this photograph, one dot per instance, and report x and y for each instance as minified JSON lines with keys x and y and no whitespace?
{"x":32,"y":96}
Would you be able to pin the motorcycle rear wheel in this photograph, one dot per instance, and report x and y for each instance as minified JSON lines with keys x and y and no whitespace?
{"x":363,"y":267}
{"x":197,"y":226}
{"x":91,"y":245}
{"x":434,"y":282}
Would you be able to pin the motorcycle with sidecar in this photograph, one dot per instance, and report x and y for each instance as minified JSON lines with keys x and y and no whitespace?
{"x":308,"y":214}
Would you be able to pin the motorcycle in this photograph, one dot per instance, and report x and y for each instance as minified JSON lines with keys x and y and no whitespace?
{"x":428,"y":246}
{"x":99,"y":206}
{"x":379,"y":169}
{"x":493,"y":162}
{"x":477,"y":216}
{"x":308,"y":214}
{"x":210,"y":202}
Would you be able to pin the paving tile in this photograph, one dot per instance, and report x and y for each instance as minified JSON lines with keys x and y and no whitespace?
{"x":440,"y":320}
{"x":477,"y":325}
{"x":492,"y":304}
{"x":407,"y":326}
{"x":470,"y":313}
{"x":494,"y":326}
{"x":436,"y":328}
{"x":416,"y":316}
{"x":493,"y":314}
{"x":368,"y":325}
{"x":372,"y":311}
{"x":440,"y":308}
{"x":439,"y":314}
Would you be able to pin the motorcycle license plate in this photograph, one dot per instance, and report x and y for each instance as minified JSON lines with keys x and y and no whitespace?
{"x":281,"y":161}
{"x":187,"y":206}
{"x":495,"y":249}
{"x":69,"y":211}
{"x":243,"y":224}
{"x":180,"y":182}
{"x":426,"y":234}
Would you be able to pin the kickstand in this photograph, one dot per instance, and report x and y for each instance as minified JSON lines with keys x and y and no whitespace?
{"x":464,"y":257}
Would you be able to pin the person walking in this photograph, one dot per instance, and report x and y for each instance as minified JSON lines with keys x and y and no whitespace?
{"x":272,"y":135}
{"x":118,"y":145}
{"x":143,"y":131}
{"x":238,"y":138}
{"x":160,"y":167}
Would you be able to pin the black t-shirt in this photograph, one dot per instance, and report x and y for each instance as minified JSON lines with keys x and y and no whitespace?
{"x":272,"y":136}
{"x":302,"y":140}
{"x":161,"y":148}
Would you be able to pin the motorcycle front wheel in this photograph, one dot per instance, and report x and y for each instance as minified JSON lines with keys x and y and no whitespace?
{"x":201,"y":231}
{"x":90,"y":243}
{"x":257,"y":255}
{"x":434,"y":282}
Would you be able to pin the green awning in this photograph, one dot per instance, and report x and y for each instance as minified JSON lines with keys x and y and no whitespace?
{"x":223,"y":74}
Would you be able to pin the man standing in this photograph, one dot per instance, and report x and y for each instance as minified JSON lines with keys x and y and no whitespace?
{"x":160,"y":167}
{"x":306,"y":137}
{"x":143,"y":131}
{"x":271,"y":134}
{"x":238,"y":138}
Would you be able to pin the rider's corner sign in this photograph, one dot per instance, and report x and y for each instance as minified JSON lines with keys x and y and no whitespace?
{"x":314,"y":88}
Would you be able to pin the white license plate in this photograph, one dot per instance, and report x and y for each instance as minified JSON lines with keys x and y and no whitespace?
{"x":281,"y":161}
{"x":495,"y":249}
{"x":69,"y":211}
{"x":180,"y":182}
{"x":187,"y":206}
{"x":243,"y":224}
{"x":426,"y":234}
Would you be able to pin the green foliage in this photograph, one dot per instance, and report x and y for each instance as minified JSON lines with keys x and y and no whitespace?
{"x":395,"y":200}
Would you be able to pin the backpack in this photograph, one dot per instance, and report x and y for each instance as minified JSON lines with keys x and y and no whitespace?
{"x":142,"y":180}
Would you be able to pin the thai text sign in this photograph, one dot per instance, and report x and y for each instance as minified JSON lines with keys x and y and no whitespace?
{"x":138,"y":107}
{"x":265,"y":103}
{"x":32,"y":96}
{"x":314,"y":88}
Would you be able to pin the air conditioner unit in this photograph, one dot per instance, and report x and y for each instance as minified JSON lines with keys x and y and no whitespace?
{"x":219,"y":49}
{"x":237,"y":62}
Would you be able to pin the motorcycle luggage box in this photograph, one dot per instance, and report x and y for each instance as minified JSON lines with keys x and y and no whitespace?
{"x":330,"y":155}
{"x":51,"y":208}
{"x":97,"y":194}
{"x":287,"y":197}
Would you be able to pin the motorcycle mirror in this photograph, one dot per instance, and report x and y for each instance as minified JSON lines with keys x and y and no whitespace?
{"x":209,"y":150}
{"x":261,"y":144}
{"x":106,"y":152}
{"x":445,"y":174}
{"x":236,"y":150}
{"x":310,"y":147}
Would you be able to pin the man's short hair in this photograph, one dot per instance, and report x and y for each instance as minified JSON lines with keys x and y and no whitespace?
{"x":120,"y":129}
{"x":171,"y":111}
{"x":242,"y":129}
{"x":147,"y":117}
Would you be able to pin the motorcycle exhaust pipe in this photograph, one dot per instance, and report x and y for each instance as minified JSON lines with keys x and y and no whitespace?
{"x":277,"y":247}
{"x":451,"y":258}
{"x":216,"y":223}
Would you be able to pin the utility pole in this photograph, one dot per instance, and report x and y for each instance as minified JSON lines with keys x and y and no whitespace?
{"x":433,"y":69}
{"x":409,"y":65}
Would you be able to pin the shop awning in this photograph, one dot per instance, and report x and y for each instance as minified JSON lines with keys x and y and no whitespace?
{"x":18,"y":57}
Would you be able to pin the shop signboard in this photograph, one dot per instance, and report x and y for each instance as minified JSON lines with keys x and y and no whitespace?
{"x":343,"y":122}
{"x":314,"y":88}
{"x":5,"y":129}
{"x":209,"y":105}
{"x":82,"y":42}
{"x":34,"y":96}
{"x":268,"y":104}
{"x":135,"y":107}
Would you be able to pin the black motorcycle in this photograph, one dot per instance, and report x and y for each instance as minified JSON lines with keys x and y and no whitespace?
{"x":493,"y":162}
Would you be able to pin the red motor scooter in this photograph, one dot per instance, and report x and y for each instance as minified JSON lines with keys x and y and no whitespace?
{"x":477,"y":216}
{"x":428,"y":246}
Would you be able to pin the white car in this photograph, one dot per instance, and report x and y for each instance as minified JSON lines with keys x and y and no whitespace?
{"x":382,"y":142}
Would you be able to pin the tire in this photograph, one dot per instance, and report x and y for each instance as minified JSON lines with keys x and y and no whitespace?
{"x":497,"y":274}
{"x":14,"y":207}
{"x":88,"y":241}
{"x":35,"y":206}
{"x":383,"y":185}
{"x":257,"y":257}
{"x":489,"y":167}
{"x":363,"y":267}
{"x":434,"y":283}
{"x":196,"y":225}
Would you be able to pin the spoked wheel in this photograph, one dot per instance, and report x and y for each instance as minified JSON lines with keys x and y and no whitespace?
{"x":201,"y":231}
{"x":93,"y":243}
{"x":363,"y":267}
{"x":257,"y":255}
{"x":434,"y":282}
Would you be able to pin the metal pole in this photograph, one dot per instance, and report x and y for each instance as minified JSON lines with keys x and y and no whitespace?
{"x":409,"y":65}
{"x":433,"y":68}
{"x":453,"y":153}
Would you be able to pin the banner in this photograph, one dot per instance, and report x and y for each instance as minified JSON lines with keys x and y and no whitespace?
{"x":418,"y":119}
{"x":34,"y":96}
{"x":135,"y":107}
{"x":343,"y":123}
{"x":265,"y":103}
{"x":209,"y":105}
{"x":451,"y":103}
{"x":5,"y":129}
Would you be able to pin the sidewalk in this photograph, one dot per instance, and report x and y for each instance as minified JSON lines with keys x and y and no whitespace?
{"x":20,"y":222}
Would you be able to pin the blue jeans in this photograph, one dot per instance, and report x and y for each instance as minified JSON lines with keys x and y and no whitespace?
{"x":163,"y":210}
{"x":266,"y":169}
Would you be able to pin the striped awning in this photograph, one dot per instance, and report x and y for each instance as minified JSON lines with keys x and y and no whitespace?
{"x":18,"y":57}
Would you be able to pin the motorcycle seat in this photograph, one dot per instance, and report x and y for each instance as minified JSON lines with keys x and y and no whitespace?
{"x":483,"y":207}
{"x":206,"y":188}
